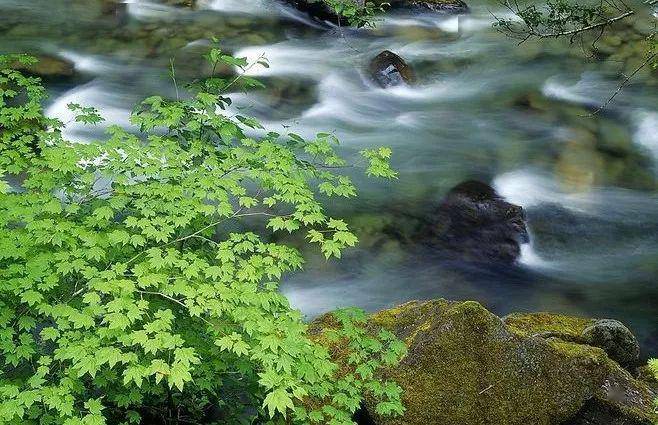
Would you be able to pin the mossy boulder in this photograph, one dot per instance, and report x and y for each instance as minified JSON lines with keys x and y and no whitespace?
{"x":466,"y":366}
{"x":610,"y":335}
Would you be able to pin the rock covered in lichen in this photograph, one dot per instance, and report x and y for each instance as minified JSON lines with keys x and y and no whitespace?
{"x":466,"y":366}
{"x":615,"y":339}
{"x":612,"y":336}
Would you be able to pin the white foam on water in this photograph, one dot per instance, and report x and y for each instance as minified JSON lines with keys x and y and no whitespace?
{"x":90,"y":64}
{"x":558,"y":90}
{"x":146,"y":10}
{"x":530,"y":258}
{"x":261,"y":8}
{"x":591,"y":89}
{"x":646,"y":133}
{"x":449,"y":23}
{"x":289,"y":58}
{"x":475,"y":21}
{"x":530,"y":189}
{"x":248,"y":7}
{"x":89,"y":95}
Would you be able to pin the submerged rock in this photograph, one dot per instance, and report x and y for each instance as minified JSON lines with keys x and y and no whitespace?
{"x":475,"y":224}
{"x":116,"y":10}
{"x":466,"y":366}
{"x":389,"y":70}
{"x":49,"y":68}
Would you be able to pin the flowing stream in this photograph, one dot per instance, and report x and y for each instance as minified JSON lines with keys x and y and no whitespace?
{"x":483,"y":108}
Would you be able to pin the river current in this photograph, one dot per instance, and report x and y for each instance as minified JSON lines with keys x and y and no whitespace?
{"x":516,"y":117}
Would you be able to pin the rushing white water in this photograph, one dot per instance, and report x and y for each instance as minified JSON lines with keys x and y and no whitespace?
{"x":588,"y":90}
{"x":147,"y":10}
{"x":92,"y":94}
{"x":530,"y":258}
{"x":646,"y":133}
{"x":482,"y":108}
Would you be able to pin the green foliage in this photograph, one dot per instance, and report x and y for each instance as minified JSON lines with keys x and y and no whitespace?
{"x":559,"y":18}
{"x":585,"y":22}
{"x":574,"y":20}
{"x":358,"y":14}
{"x":554,"y":17}
{"x":364,"y":352}
{"x":139,"y":280}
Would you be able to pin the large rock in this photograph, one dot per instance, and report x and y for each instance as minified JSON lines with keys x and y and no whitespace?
{"x":475,"y":224}
{"x":610,"y":335}
{"x":388,"y":70}
{"x":465,"y":366}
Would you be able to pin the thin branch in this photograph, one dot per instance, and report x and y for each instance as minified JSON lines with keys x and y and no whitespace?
{"x":577,"y":31}
{"x":624,"y":84}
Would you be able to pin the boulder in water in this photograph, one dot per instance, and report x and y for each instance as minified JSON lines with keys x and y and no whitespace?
{"x":48,"y":67}
{"x":466,"y":366}
{"x":475,"y":224}
{"x":388,"y":70}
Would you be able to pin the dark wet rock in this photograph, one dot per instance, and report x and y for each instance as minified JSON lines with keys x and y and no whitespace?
{"x":362,"y":417}
{"x":389,"y":70}
{"x":116,"y":10}
{"x":182,"y":3}
{"x":466,"y":366}
{"x":615,"y":339}
{"x":474,"y":223}
{"x":595,"y":412}
{"x":319,"y":10}
{"x":285,"y":98}
{"x":443,"y":6}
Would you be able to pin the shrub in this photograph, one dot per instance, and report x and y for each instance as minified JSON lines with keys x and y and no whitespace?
{"x":138,"y":279}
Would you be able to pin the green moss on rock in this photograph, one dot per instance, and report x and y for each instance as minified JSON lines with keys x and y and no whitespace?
{"x":610,"y":335}
{"x":466,"y":366}
{"x":568,"y":328}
